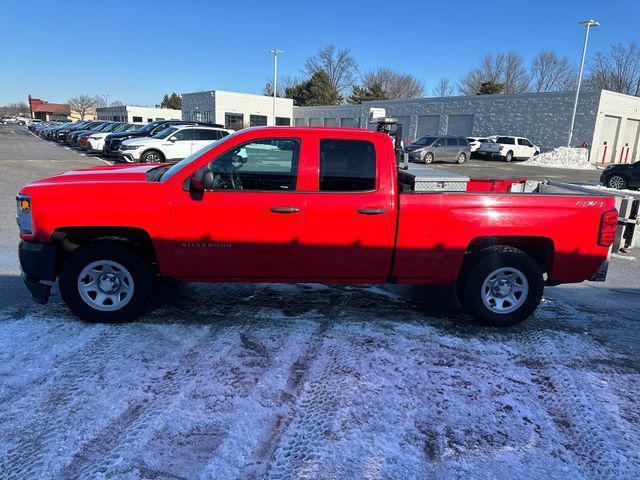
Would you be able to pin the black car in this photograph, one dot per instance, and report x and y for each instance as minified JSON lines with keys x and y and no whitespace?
{"x":112,"y":142}
{"x":60,"y":134}
{"x":92,"y":126}
{"x":621,"y":176}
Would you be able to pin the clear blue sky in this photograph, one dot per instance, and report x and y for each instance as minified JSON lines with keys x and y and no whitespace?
{"x":136,"y":51}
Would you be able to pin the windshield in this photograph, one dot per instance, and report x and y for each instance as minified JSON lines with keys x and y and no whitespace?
{"x":122,"y":127}
{"x":425,"y":141}
{"x":134,"y":127}
{"x":165,"y":133}
{"x":110,"y":127}
{"x":149,"y":126}
{"x":180,"y":165}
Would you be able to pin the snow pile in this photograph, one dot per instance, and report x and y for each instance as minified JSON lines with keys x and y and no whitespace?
{"x":617,"y":191}
{"x":563,"y":157}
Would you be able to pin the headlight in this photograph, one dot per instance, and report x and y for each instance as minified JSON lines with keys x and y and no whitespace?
{"x":23,"y":217}
{"x":129,"y":147}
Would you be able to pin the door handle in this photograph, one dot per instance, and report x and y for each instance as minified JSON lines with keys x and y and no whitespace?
{"x":284,"y":209}
{"x":371,"y":211}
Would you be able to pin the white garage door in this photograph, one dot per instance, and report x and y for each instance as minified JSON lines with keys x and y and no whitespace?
{"x":348,"y":122}
{"x":460,"y":125}
{"x":428,"y":125}
{"x":330,"y":122}
{"x":632,"y":137}
{"x":610,"y":131}
{"x":315,"y":122}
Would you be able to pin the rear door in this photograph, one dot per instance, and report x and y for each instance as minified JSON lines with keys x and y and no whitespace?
{"x":350,"y":221}
{"x":203,"y":137}
{"x":453,"y":146}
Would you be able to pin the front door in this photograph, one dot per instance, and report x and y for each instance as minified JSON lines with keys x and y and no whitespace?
{"x":250,"y":224}
{"x":350,"y":219}
{"x":178,"y":145}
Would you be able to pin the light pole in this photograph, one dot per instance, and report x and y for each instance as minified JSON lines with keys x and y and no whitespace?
{"x":275,"y":79}
{"x":588,"y":24}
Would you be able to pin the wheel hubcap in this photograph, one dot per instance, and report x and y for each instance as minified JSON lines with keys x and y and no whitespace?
{"x":105,"y":285}
{"x":616,"y":182}
{"x":505,"y":290}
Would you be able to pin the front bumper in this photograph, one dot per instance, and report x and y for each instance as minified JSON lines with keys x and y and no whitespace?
{"x":38,"y":264}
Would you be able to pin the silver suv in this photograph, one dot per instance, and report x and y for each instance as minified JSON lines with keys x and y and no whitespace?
{"x":446,"y":148}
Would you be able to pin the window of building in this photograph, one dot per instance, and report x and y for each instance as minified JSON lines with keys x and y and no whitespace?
{"x":300,"y":122}
{"x":330,"y":122}
{"x":137,"y":119}
{"x":257,"y":120}
{"x":197,"y":116}
{"x":283,"y":121}
{"x":234,"y":121}
{"x":315,"y":122}
{"x":348,"y":122}
{"x":347,"y":165}
{"x":268,"y":164}
{"x":159,"y":119}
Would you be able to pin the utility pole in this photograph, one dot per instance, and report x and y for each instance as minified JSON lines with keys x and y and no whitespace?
{"x":275,"y":79}
{"x":588,"y":24}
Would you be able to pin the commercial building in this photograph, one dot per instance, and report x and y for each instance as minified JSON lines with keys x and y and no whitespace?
{"x":235,"y":110}
{"x":135,"y":113}
{"x":46,"y":111}
{"x":608,"y":122}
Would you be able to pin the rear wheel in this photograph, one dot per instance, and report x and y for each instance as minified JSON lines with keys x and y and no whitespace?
{"x":462,"y":157}
{"x":502,"y":287}
{"x":509,"y":156}
{"x":617,"y":181}
{"x":105,"y":282}
{"x":428,"y":158}
{"x":152,"y":156}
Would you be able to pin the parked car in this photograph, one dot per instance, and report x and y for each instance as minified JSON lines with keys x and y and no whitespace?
{"x":113,"y":141}
{"x":509,"y":148}
{"x":445,"y":148}
{"x":72,"y":138}
{"x":60,"y":134}
{"x":82,"y":140}
{"x":475,"y":142}
{"x":292,"y":204}
{"x":171,"y":144}
{"x":621,"y":176}
{"x":95,"y":141}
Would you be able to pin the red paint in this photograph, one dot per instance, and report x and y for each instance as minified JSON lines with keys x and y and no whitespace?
{"x":604,"y":154}
{"x":234,"y":236}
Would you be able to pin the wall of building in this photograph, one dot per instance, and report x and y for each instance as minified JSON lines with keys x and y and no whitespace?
{"x":618,"y":124}
{"x":542,"y":117}
{"x":213,"y":105}
{"x":134,"y":113}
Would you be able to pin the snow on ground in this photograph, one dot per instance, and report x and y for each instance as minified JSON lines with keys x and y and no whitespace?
{"x":240,"y":381}
{"x":614,"y":190}
{"x":563,"y":157}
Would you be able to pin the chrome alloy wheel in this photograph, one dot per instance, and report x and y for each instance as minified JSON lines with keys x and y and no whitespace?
{"x":505,"y":290}
{"x":105,"y":285}
{"x":616,"y":182}
{"x":152,"y":158}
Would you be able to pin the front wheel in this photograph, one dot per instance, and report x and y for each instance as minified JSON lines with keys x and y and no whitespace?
{"x":617,"y":181}
{"x":502,"y":287}
{"x":152,"y":157}
{"x":461,"y":158}
{"x":428,"y":158}
{"x":105,"y":282}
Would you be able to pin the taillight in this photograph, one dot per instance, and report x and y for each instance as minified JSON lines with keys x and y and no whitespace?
{"x":501,"y":147}
{"x":608,"y":225}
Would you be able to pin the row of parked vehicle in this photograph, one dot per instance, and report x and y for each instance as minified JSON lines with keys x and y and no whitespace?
{"x":449,"y":148}
{"x":134,"y":142}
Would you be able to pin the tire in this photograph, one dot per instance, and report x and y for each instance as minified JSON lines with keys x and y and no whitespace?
{"x":91,"y":268}
{"x":428,"y":158}
{"x":509,"y":156}
{"x":152,"y":156}
{"x":502,"y":287}
{"x":462,"y":157}
{"x":617,"y":181}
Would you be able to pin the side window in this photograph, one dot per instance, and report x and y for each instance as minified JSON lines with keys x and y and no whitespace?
{"x":270,"y":165}
{"x":202,"y":134}
{"x":439,"y":143}
{"x":137,"y":119}
{"x":347,"y":165}
{"x":452,"y":142}
{"x":464,"y":142}
{"x":184,"y":135}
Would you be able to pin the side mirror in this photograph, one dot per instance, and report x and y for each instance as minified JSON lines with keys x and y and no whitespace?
{"x":201,"y":181}
{"x":172,"y":139}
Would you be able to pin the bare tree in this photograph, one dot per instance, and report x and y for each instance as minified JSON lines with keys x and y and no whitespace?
{"x":619,"y":70}
{"x":116,"y":103}
{"x":394,"y":84}
{"x":15,"y":108}
{"x":339,"y":65}
{"x":444,"y":88}
{"x":503,"y":68}
{"x":550,"y":73}
{"x":284,"y":82}
{"x":82,"y":105}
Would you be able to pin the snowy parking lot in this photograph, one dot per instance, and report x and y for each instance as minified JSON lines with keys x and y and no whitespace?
{"x":313,"y":381}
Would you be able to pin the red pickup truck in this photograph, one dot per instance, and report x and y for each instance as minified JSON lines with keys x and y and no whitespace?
{"x":282,"y":204}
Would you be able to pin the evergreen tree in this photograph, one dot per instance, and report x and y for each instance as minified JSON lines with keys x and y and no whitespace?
{"x":172,"y":101}
{"x":375,"y":91}
{"x":317,"y":90}
{"x":490,"y":87}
